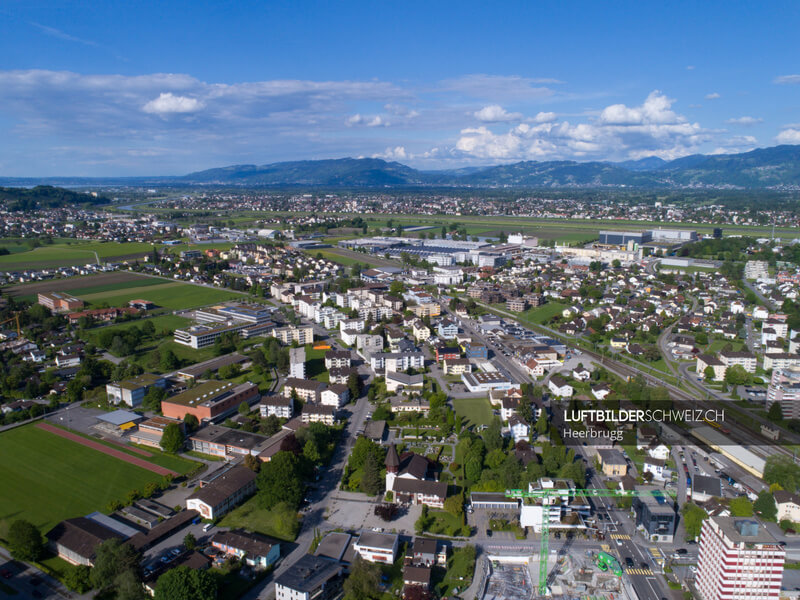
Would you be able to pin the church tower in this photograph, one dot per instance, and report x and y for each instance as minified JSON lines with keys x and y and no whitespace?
{"x":392,"y":467}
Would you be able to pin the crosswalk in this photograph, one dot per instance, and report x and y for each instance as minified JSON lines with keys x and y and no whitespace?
{"x":605,"y":548}
{"x":620,"y":536}
{"x":638,"y":572}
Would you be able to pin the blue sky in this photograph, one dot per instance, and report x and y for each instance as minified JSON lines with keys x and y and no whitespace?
{"x":112,"y":88}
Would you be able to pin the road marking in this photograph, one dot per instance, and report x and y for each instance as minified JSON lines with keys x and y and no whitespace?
{"x":646,"y":572}
{"x":620,"y":536}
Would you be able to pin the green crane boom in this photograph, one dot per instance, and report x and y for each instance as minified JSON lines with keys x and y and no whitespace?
{"x":544,"y":549}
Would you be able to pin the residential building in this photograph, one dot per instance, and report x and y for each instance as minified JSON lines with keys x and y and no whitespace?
{"x":559,"y":387}
{"x":738,"y":560}
{"x":655,"y":516}
{"x":746,"y":359}
{"x":756,"y":269}
{"x":788,"y":506}
{"x":612,"y":463}
{"x":223,"y":493}
{"x":297,"y":362}
{"x":377,"y":547}
{"x":210,"y":400}
{"x":302,"y":334}
{"x":784,"y":388}
{"x":316,"y":413}
{"x":310,"y":578}
{"x":400,"y":381}
{"x":132,"y":391}
{"x":308,"y":390}
{"x":336,"y":395}
{"x":257,"y":550}
{"x":337,"y":359}
{"x":281,"y":407}
{"x":445,"y":352}
{"x":704,"y":361}
{"x":456,"y":366}
{"x":447,"y":329}
{"x":420,"y":331}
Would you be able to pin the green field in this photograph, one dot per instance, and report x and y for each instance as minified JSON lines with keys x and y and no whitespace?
{"x":161,"y":322}
{"x":476,"y":411}
{"x":71,"y":252}
{"x":46,"y":479}
{"x":168,"y":294}
{"x":281,"y":522}
{"x":542,"y":314}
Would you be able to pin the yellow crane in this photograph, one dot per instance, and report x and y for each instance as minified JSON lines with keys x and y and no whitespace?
{"x":16,"y":319}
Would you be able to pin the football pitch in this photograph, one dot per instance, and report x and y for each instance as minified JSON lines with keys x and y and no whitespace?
{"x":46,"y":478}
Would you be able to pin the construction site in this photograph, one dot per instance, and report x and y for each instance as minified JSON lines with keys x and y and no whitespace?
{"x":572,"y":577}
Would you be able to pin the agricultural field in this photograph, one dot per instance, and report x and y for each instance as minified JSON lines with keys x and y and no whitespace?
{"x":172,"y":295}
{"x":37,"y":467}
{"x":64,"y":253}
{"x":88,"y":284}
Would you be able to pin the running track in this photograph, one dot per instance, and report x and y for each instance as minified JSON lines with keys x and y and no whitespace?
{"x":106,"y":450}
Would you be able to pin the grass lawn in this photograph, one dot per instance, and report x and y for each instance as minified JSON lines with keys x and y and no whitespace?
{"x":187,"y":355}
{"x":541,"y":314}
{"x":281,"y":522}
{"x":161,"y":323}
{"x":444,"y":523}
{"x":167,"y":294}
{"x":476,"y":411}
{"x":47,"y":478}
{"x":315,"y":364}
{"x":327,"y":254}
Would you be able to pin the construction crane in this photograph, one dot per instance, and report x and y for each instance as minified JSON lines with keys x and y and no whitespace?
{"x":16,"y":319}
{"x":546,"y":494}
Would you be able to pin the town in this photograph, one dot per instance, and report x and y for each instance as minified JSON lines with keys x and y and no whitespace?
{"x":297,"y":406}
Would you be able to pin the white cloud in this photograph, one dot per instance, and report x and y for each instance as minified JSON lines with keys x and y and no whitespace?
{"x":690,"y":67}
{"x":736,"y":144}
{"x":788,"y":136}
{"x":366,"y":120}
{"x":544,"y":117}
{"x":396,"y":153}
{"x":169,"y":103}
{"x":787,"y":79}
{"x":620,"y":131}
{"x":494,"y":113}
{"x":713,"y":96}
{"x":377,"y":121}
{"x":744,"y":121}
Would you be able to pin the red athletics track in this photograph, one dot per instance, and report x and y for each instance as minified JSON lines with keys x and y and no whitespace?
{"x":106,"y":450}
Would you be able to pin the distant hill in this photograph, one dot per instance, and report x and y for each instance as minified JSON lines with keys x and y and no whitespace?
{"x":763,"y":168}
{"x":774,"y":168}
{"x":45,"y":196}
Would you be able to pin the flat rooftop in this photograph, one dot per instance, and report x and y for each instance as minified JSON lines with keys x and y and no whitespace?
{"x":206,"y":394}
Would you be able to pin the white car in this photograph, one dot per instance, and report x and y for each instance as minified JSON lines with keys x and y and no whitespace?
{"x":693,"y":568}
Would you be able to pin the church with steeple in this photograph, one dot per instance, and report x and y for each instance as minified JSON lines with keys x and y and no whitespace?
{"x":412,"y":478}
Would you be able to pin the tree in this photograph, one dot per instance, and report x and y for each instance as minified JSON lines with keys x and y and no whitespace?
{"x":128,"y":586}
{"x":244,"y":408}
{"x":354,"y":385}
{"x":113,"y":557}
{"x":311,"y":452}
{"x":78,"y":579}
{"x":153,"y":398}
{"x":741,"y":507}
{"x":542,"y":425}
{"x":183,"y":583}
{"x":25,"y":541}
{"x":189,"y":541}
{"x":708,"y":373}
{"x":783,"y":470}
{"x":172,"y":440}
{"x":775,"y":412}
{"x":492,"y":436}
{"x":168,"y":362}
{"x":252,"y":463}
{"x":190,"y":422}
{"x":279,"y":481}
{"x":765,"y":506}
{"x":693,"y":517}
{"x":455,"y":505}
{"x":736,"y":375}
{"x":371,"y":482}
{"x":364,"y":580}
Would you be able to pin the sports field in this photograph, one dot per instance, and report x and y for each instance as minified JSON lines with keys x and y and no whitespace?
{"x":46,"y":478}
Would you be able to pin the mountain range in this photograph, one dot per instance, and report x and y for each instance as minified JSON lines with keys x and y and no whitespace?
{"x":777,"y":167}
